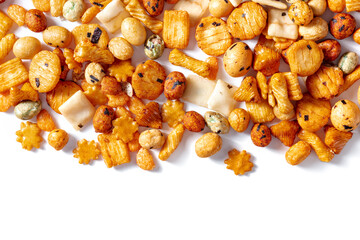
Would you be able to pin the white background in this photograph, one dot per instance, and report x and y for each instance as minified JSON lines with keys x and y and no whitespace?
{"x":46,"y":194}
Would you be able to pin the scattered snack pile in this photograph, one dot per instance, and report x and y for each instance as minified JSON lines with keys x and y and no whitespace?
{"x":118,"y":97}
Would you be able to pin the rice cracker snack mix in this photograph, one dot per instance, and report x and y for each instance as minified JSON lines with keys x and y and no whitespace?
{"x":92,"y":78}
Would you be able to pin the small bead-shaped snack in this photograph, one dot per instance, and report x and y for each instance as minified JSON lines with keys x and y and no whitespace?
{"x":312,"y":114}
{"x":300,"y":13}
{"x":154,"y":7}
{"x":323,"y":152}
{"x":178,"y":58}
{"x":248,"y":91}
{"x":145,"y":160}
{"x":193,"y":121}
{"x":239,"y":119}
{"x":304,"y":57}
{"x":148,"y":80}
{"x":325,"y":83}
{"x":113,"y":150}
{"x":173,"y":112}
{"x":216,"y":122}
{"x":335,"y":139}
{"x":102,"y":120}
{"x":298,"y":153}
{"x":345,"y":115}
{"x":152,"y":138}
{"x":242,"y":22}
{"x":124,"y":128}
{"x":58,"y":139}
{"x":86,"y":151}
{"x":172,"y":142}
{"x":44,"y":121}
{"x":176,"y":32}
{"x":285,"y":131}
{"x":239,"y":162}
{"x":212,"y":36}
{"x":174,"y":86}
{"x":29,"y":135}
{"x":260,"y":112}
{"x":44,"y":71}
{"x":260,"y":135}
{"x":342,"y":25}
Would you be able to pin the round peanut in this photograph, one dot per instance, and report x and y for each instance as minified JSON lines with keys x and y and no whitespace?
{"x":316,"y":30}
{"x":217,"y":122}
{"x":318,"y":7}
{"x":94,"y":73}
{"x":56,"y":36}
{"x":102,"y":120}
{"x":298,"y":153}
{"x":120,"y":48}
{"x":348,"y":62}
{"x":193,"y":121}
{"x":207,"y":145}
{"x":239,"y":119}
{"x":220,"y":8}
{"x":26,"y":47}
{"x":152,"y":138}
{"x":133,"y":30}
{"x":174,"y":86}
{"x":260,"y":135}
{"x":35,"y":20}
{"x":357,"y":36}
{"x":331,"y":49}
{"x":345,"y":115}
{"x":73,"y":10}
{"x":58,"y":138}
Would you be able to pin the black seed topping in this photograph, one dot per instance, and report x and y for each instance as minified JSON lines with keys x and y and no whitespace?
{"x":283,"y":14}
{"x":177,"y":83}
{"x":140,"y":75}
{"x":248,"y":68}
{"x":37,"y":82}
{"x":46,"y":64}
{"x":88,"y":35}
{"x":80,"y":125}
{"x":343,"y":18}
{"x":93,"y":78}
{"x":247,"y":47}
{"x":62,"y":41}
{"x":219,"y":131}
{"x":296,"y":14}
{"x":149,"y":3}
{"x":309,"y":47}
{"x":229,"y":86}
{"x":159,"y":80}
{"x":226,"y":1}
{"x":263,"y":131}
{"x":243,"y":15}
{"x":306,"y":117}
{"x":324,"y":83}
{"x":201,"y":25}
{"x":346,"y":127}
{"x":258,"y":127}
{"x":39,"y":16}
{"x":98,"y":4}
{"x":334,"y":20}
{"x":218,"y":24}
{"x":263,"y":136}
{"x":96,"y":35}
{"x":343,"y":102}
{"x":341,"y":28}
{"x":50,"y":43}
{"x":232,"y":46}
{"x":241,"y":69}
{"x":153,"y":8}
{"x":293,"y":20}
{"x":106,"y":112}
{"x":214,"y":23}
{"x":299,"y":114}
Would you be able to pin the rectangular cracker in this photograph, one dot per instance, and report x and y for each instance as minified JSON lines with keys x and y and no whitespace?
{"x":12,"y":73}
{"x":176,"y":30}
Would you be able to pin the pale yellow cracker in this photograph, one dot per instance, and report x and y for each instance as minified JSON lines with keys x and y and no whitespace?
{"x":87,"y":52}
{"x":176,"y":32}
{"x":124,"y":128}
{"x":17,"y":14}
{"x":173,"y":112}
{"x":137,"y":11}
{"x":12,"y":73}
{"x":70,"y":61}
{"x":121,"y":70}
{"x":239,"y":162}
{"x":89,"y":14}
{"x":6,"y":44}
{"x":172,"y":142}
{"x":86,"y":151}
{"x":45,"y":70}
{"x":5,"y":24}
{"x":114,"y":151}
{"x":29,"y":135}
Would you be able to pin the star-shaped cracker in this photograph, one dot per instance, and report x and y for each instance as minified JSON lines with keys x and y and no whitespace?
{"x":86,"y":151}
{"x":29,"y":135}
{"x":239,"y":162}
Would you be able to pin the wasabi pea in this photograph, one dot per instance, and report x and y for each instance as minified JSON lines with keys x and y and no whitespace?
{"x":217,"y":123}
{"x":27,"y":109}
{"x":73,"y":10}
{"x":154,"y":47}
{"x":348,"y":62}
